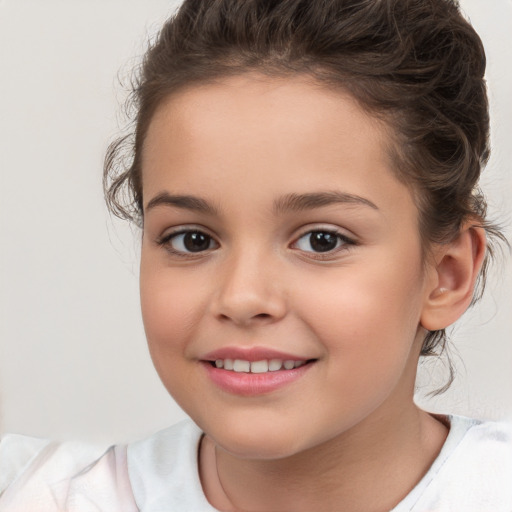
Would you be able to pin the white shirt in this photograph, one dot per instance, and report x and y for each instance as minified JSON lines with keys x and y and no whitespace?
{"x":473,"y":473}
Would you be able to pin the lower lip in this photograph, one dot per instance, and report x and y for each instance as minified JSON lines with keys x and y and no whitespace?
{"x":251,"y":384}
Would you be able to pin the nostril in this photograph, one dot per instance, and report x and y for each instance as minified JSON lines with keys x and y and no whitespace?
{"x":239,"y":319}
{"x":248,"y":308}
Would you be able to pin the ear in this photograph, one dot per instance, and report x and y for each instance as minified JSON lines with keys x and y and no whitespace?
{"x":454,"y":273}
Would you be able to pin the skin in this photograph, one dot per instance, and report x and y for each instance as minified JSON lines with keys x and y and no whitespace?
{"x":348,"y":431}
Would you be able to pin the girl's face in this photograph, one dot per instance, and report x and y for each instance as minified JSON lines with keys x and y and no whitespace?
{"x":275,"y":230}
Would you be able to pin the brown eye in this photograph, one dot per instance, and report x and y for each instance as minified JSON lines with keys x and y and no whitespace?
{"x":322,"y":241}
{"x":196,"y":241}
{"x":191,"y":241}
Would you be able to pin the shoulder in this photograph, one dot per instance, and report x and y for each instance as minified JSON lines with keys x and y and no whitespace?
{"x":164,"y":471}
{"x":482,"y":446}
{"x":37,"y":474}
{"x":16,"y":454}
{"x":473,"y":471}
{"x":154,"y":474}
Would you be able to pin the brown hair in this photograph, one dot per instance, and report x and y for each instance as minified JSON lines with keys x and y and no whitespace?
{"x":417,"y":64}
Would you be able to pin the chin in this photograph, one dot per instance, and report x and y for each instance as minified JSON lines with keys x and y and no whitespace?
{"x":255,"y":449}
{"x":256,"y":440}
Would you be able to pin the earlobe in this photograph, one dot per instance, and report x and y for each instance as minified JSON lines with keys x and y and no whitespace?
{"x":454,"y":276}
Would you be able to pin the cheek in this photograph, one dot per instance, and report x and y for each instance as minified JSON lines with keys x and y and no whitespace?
{"x":368,"y":337}
{"x":170,"y":307}
{"x":365,"y":318}
{"x":170,"y":311}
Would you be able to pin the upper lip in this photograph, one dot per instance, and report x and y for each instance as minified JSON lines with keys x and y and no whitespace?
{"x":251,"y":354}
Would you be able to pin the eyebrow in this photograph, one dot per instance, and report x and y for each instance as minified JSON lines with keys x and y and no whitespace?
{"x":186,"y":202}
{"x":300,"y":202}
{"x":289,"y":202}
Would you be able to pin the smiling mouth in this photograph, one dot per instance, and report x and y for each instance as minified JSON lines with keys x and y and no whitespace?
{"x":255,"y":376}
{"x":262,"y":366}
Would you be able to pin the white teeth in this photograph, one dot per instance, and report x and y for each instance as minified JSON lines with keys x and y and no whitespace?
{"x":263,"y":366}
{"x":241,"y":366}
{"x":275,"y":364}
{"x":259,"y":367}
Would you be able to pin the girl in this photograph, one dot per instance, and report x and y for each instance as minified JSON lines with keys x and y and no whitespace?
{"x":305,"y":177}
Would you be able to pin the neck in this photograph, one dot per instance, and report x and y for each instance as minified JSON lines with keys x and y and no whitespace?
{"x":363,"y":469}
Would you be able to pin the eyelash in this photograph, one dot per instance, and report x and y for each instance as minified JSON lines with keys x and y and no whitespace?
{"x":343,"y":243}
{"x":166,"y":240}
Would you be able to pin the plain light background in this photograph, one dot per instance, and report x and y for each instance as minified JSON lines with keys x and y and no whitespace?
{"x":73,"y":358}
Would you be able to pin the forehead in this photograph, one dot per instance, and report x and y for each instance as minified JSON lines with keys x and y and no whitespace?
{"x":257,"y":106}
{"x":289,"y":132}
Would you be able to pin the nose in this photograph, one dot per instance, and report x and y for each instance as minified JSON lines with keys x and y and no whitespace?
{"x":250,"y":291}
